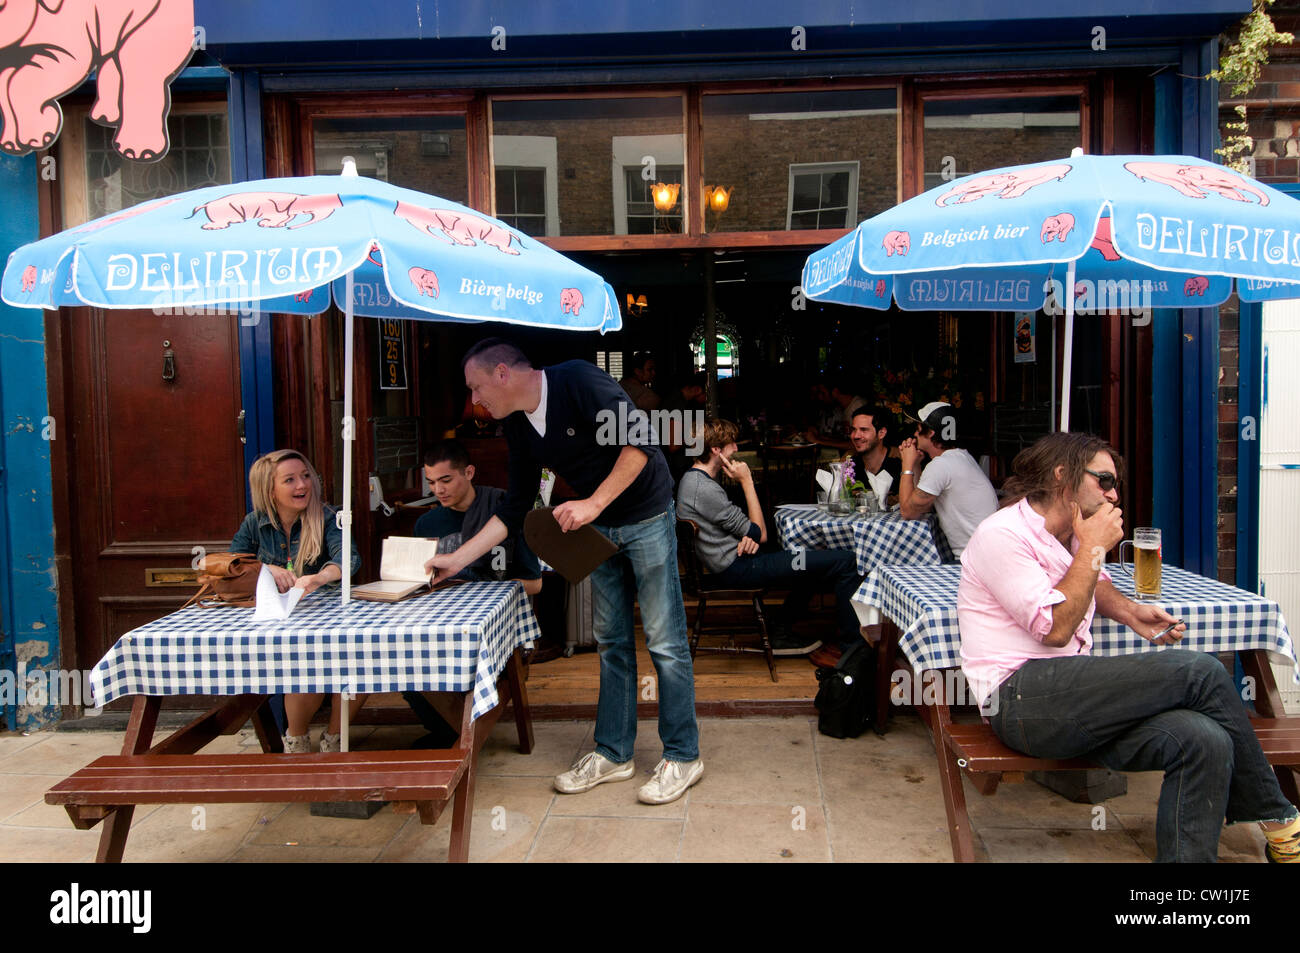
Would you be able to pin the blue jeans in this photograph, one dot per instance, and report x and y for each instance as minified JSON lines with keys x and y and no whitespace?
{"x":644,"y":568}
{"x":1174,"y":711}
{"x":822,"y":569}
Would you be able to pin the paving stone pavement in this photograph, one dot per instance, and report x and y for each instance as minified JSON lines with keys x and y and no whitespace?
{"x":774,"y":791}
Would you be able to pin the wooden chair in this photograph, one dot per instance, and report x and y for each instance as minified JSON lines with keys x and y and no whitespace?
{"x":788,"y":475}
{"x":697,"y":583}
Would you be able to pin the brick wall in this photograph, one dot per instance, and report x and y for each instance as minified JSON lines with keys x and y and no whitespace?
{"x":1273,"y":113}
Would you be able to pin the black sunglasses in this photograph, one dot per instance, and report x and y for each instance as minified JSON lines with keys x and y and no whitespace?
{"x":1107,"y":481}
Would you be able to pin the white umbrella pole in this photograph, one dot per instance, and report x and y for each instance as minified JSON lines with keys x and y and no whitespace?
{"x":1068,"y":351}
{"x":345,"y":514}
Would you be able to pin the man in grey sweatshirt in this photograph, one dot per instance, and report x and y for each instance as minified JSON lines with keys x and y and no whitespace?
{"x":728,"y":540}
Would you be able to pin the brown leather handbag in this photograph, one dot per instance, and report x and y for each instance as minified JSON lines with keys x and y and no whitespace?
{"x":227,"y":579}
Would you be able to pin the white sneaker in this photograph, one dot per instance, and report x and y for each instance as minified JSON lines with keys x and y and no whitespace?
{"x":329,"y":742}
{"x":670,"y":781}
{"x":297,"y":744}
{"x":592,"y":769}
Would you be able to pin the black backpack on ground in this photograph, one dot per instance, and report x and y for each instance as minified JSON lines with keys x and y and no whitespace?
{"x":846,"y":696}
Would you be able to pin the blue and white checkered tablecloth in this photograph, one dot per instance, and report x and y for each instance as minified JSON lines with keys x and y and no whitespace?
{"x":922,"y":602}
{"x":454,"y":640}
{"x":885,"y":539}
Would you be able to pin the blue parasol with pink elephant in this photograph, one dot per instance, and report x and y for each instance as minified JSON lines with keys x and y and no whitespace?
{"x":1087,"y":233}
{"x":291,"y":245}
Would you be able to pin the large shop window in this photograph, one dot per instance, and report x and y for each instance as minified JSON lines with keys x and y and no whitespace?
{"x":600,"y":157}
{"x":825,"y":159}
{"x":963,"y":136}
{"x":425,"y":153}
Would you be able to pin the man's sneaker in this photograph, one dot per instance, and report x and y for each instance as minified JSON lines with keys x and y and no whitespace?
{"x":297,"y":744}
{"x":592,"y":769}
{"x":329,"y":742}
{"x":670,"y":781}
{"x":791,"y":643}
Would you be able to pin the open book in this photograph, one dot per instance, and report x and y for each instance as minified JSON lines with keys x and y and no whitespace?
{"x":401,"y":570}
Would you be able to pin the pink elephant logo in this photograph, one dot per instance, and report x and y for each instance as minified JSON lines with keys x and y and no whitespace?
{"x":425,"y":281}
{"x":1006,"y":185}
{"x":570,"y":301}
{"x":304,"y":296}
{"x":1195,"y":180}
{"x":29,"y":278}
{"x":1056,"y":227}
{"x":1102,"y":242}
{"x":459,"y":228}
{"x":271,"y":209}
{"x":880,"y":288}
{"x":900,"y":242}
{"x":370,"y":255}
{"x":49,"y":47}
{"x":1195,"y":286}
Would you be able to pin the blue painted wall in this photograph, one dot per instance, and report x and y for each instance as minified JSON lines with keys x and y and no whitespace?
{"x":28,"y":587}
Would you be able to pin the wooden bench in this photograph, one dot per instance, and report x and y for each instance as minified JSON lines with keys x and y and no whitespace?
{"x":414,"y":781}
{"x":976,"y":750}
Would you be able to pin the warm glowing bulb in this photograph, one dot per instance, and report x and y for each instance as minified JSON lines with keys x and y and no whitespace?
{"x":665,"y":195}
{"x":719,"y":198}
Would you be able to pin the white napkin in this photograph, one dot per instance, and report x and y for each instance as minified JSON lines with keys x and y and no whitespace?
{"x":272,"y":604}
{"x":881,"y":482}
{"x":824,"y":480}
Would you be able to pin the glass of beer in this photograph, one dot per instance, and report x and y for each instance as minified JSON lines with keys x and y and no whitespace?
{"x":1146,"y":561}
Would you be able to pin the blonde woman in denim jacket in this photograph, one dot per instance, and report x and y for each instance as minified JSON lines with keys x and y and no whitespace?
{"x":293,"y":532}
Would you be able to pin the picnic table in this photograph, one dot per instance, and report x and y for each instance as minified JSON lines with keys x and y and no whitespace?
{"x":462,"y":643}
{"x":919,"y":604}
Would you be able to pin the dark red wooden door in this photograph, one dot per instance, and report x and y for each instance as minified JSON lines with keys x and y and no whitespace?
{"x":156,"y":465}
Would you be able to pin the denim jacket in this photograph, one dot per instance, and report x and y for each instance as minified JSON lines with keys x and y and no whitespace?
{"x":262,"y":536}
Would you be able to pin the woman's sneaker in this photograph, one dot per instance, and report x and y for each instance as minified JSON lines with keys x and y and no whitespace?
{"x":592,"y":769}
{"x":670,"y":781}
{"x":329,"y":742}
{"x":297,"y":744}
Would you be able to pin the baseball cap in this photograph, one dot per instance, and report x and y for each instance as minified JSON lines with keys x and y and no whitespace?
{"x":925,"y":412}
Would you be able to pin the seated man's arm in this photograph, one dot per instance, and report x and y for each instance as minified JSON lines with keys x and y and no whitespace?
{"x":1096,"y":534}
{"x":1147,"y":620}
{"x":739,"y":471}
{"x":912,"y":502}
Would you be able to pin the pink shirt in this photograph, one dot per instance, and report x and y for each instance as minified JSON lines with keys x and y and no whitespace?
{"x":1009,"y":572}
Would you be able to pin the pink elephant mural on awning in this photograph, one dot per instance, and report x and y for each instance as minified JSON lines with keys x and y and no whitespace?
{"x":49,"y":47}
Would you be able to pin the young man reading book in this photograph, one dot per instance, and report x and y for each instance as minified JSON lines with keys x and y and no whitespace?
{"x":463,"y":509}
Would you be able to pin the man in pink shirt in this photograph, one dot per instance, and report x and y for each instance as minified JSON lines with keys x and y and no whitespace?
{"x":1031,"y":579}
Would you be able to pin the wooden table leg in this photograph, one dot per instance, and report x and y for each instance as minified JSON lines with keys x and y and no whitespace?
{"x":472,"y":738}
{"x":886,"y":652}
{"x":938,"y":716}
{"x":139,"y":734}
{"x":1268,"y":703}
{"x":519,"y":699}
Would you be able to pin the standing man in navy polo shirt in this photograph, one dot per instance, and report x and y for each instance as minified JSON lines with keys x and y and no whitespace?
{"x":568,"y":419}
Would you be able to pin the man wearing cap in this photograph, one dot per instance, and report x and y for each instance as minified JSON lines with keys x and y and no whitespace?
{"x":953,"y":484}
